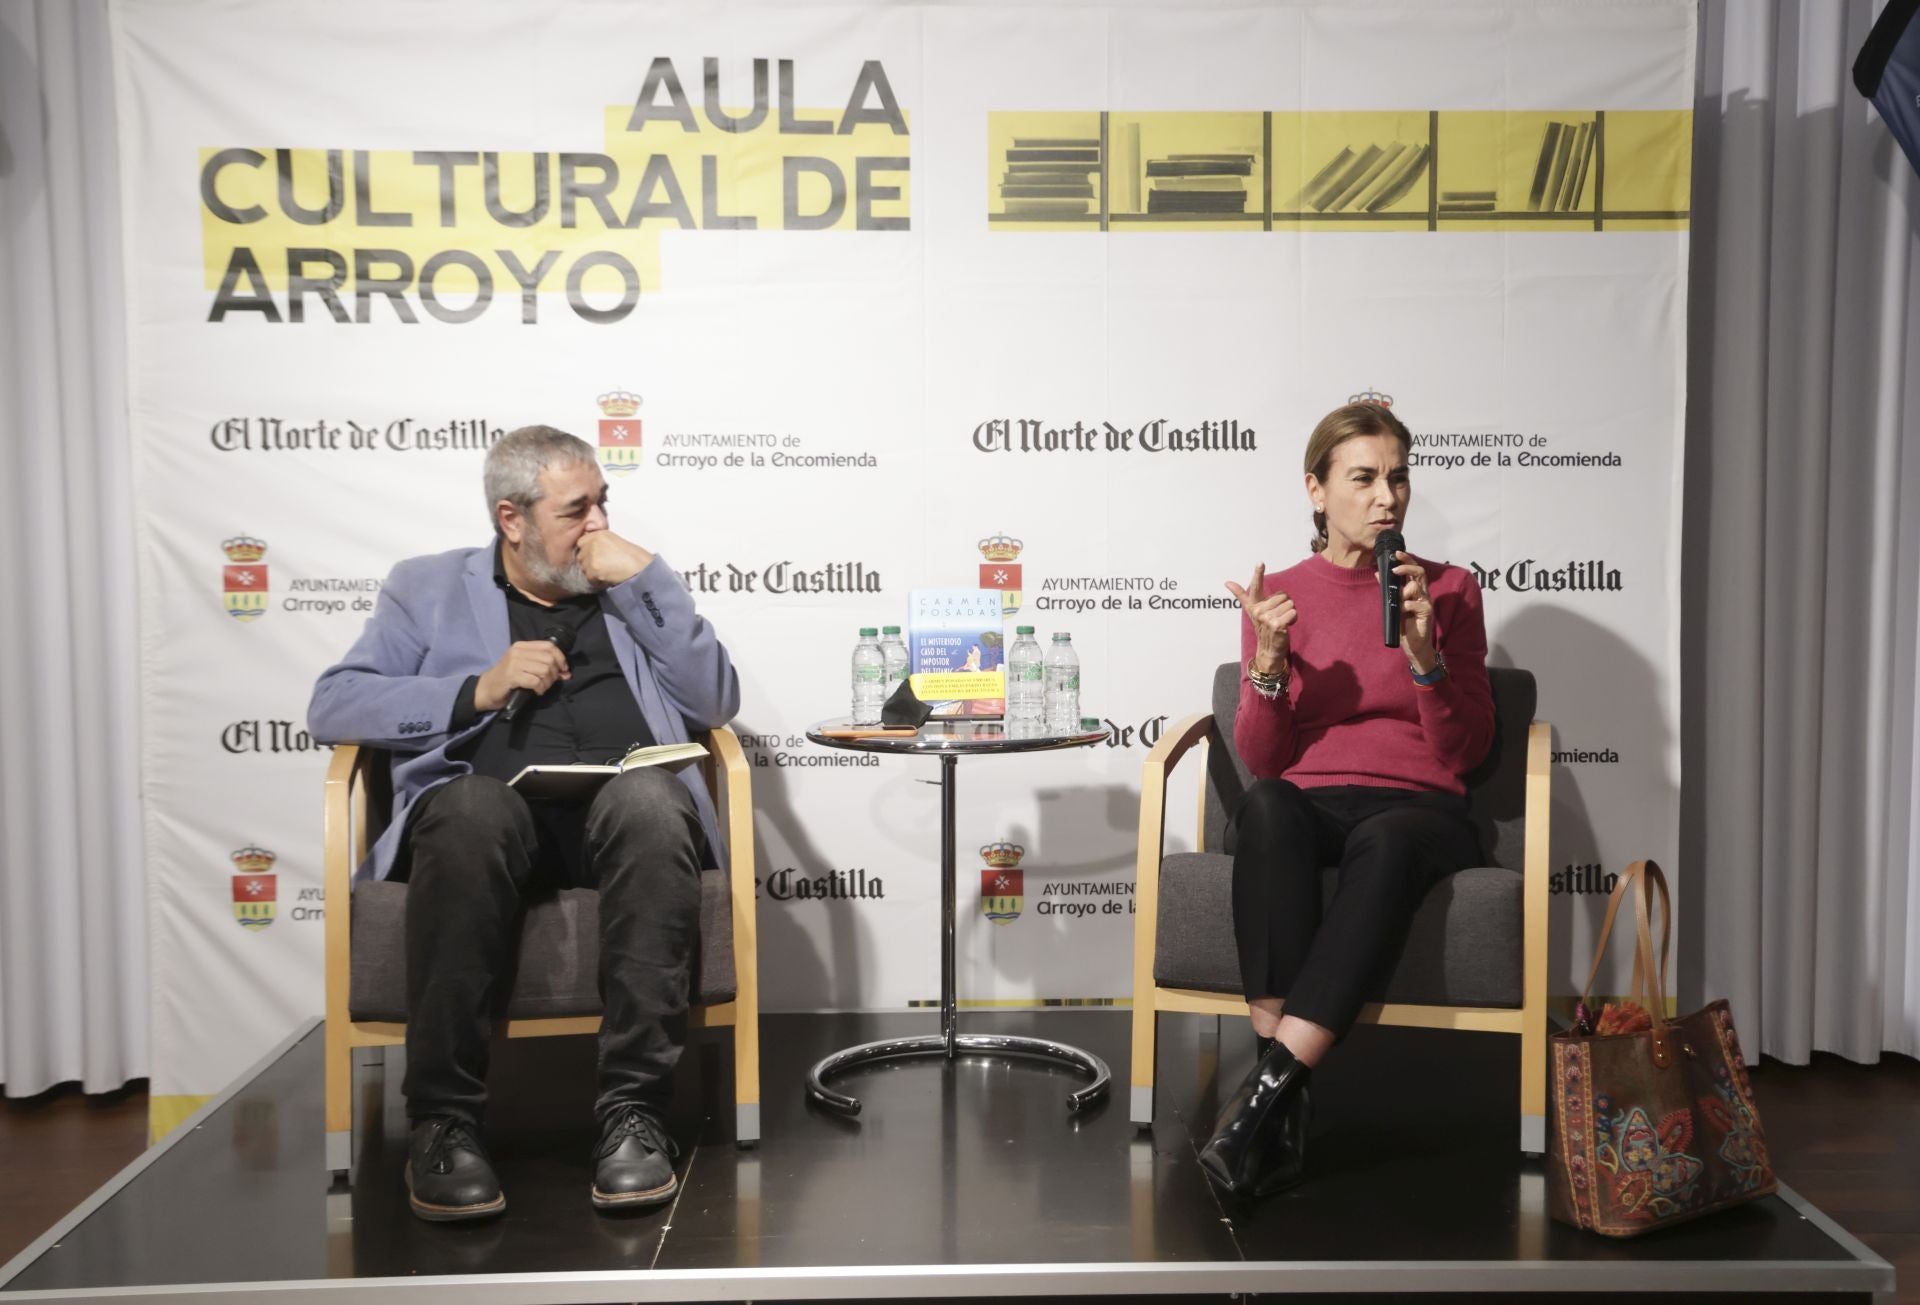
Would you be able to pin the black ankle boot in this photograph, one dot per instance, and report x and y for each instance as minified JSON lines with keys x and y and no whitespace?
{"x":1259,"y":1144}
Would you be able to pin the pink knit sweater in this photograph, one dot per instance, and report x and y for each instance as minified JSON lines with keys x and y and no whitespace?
{"x":1352,"y":713}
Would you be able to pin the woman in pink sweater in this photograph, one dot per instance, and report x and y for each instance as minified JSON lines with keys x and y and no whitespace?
{"x":1358,"y":750}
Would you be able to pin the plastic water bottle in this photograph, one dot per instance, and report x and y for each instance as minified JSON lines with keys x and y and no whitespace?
{"x":1063,"y":686}
{"x":869,"y":677}
{"x":1026,"y":686}
{"x":896,"y":654}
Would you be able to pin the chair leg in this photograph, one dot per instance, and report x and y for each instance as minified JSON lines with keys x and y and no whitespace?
{"x":338,"y":1091}
{"x":1533,"y":1097}
{"x":1533,"y":1078}
{"x":1145,"y":1026}
{"x":746,"y":1081}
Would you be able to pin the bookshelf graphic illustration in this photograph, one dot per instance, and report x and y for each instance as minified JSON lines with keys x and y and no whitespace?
{"x":1050,"y":176}
{"x":1439,"y":170}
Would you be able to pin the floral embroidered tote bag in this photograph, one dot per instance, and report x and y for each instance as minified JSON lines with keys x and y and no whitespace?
{"x":1651,"y":1121}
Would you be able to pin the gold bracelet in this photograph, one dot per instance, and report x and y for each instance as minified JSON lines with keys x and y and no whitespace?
{"x":1267,"y":686}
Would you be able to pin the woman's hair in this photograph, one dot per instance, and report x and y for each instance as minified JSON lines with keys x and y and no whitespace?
{"x":1336,"y":428}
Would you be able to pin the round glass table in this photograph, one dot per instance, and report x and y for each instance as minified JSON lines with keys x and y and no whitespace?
{"x":949,"y":741}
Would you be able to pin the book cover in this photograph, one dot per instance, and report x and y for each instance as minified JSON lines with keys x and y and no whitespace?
{"x":1549,"y":141}
{"x":1585,"y":147}
{"x":1557,"y":174}
{"x":1321,"y":180}
{"x":1399,"y":179}
{"x":956,"y":651}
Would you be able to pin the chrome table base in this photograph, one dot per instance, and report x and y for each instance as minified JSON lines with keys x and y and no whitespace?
{"x":933,"y":1044}
{"x":950,"y":1042}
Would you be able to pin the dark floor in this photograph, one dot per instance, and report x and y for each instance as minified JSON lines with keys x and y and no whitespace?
{"x":974,"y":1164}
{"x":56,"y":1148}
{"x":1847,"y":1137}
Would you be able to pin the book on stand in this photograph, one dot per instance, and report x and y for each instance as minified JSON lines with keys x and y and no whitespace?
{"x":956,"y":651}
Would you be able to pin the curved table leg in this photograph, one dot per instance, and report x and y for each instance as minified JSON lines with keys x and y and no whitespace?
{"x":950,"y":1042}
{"x":934,"y":1044}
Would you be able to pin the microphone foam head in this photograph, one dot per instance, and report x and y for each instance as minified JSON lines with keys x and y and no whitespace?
{"x":560,"y":636}
{"x":1389,"y":542}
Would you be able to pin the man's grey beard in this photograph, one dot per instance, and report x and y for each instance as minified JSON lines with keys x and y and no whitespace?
{"x":569,"y":579}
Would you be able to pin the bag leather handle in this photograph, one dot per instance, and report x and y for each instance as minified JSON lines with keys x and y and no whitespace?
{"x":1635,"y":880}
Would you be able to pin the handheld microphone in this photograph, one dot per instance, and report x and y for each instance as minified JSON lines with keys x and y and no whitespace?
{"x":561,"y":637}
{"x":1390,"y":542}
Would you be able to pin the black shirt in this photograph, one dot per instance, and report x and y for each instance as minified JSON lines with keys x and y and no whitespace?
{"x":591,"y":716}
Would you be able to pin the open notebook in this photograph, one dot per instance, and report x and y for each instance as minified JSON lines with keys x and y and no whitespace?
{"x":579,"y":781}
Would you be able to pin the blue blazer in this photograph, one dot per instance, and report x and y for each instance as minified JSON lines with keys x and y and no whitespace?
{"x":442,"y":618}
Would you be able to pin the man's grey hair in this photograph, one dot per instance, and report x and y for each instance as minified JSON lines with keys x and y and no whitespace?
{"x":514,"y":465}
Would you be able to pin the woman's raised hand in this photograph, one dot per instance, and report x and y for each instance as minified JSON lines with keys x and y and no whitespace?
{"x":1272,"y":615}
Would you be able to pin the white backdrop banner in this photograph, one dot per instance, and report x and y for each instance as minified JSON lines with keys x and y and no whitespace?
{"x":860,"y":298}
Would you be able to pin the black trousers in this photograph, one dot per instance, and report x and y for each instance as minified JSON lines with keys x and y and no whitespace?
{"x":475,"y":854}
{"x":1328,"y":959}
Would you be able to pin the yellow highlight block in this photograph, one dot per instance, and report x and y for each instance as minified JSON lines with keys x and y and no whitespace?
{"x":1333,"y":171}
{"x":1187,"y":171}
{"x":1054,"y":164}
{"x":1421,"y":170}
{"x":166,"y":1113}
{"x":950,"y":686}
{"x":1649,"y":161}
{"x":536,"y":221}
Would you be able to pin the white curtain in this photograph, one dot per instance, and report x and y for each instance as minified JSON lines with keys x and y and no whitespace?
{"x":73,"y":894}
{"x":1802,"y":533}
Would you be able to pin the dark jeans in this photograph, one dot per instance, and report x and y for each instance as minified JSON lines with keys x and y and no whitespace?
{"x":1391,"y":846}
{"x":475,"y":854}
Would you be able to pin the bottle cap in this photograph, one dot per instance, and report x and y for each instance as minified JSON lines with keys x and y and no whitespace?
{"x":1088,"y":724}
{"x":1061,"y":636}
{"x":1023,"y":629}
{"x":868,"y":632}
{"x":890,"y":629}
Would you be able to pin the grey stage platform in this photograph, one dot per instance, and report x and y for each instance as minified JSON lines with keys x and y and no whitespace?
{"x":970,"y":1180}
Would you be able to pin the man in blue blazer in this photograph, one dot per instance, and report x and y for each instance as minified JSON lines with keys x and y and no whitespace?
{"x":451,"y":640}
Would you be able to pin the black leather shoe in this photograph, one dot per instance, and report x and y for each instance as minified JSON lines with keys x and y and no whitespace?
{"x":1259,"y":1145}
{"x":633,"y":1165}
{"x":449,"y":1177}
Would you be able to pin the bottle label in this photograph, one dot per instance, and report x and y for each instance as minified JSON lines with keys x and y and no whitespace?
{"x":1036,"y":673}
{"x":868,"y":675}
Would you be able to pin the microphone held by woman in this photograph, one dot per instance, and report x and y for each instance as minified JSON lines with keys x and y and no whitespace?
{"x":1386,"y":551}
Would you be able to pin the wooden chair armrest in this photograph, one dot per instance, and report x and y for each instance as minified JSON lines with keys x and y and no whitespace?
{"x":1165,"y":755}
{"x":344,"y":843}
{"x":1537,"y":872}
{"x":731,"y":776}
{"x":345,"y":814}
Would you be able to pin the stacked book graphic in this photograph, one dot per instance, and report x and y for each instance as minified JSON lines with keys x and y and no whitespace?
{"x":1050,"y":177}
{"x":1560,"y":176}
{"x":1365,"y":180}
{"x":1199,"y":183}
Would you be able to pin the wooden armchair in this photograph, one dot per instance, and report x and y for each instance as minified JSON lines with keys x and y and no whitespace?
{"x":1476,"y":955}
{"x":556,"y":989}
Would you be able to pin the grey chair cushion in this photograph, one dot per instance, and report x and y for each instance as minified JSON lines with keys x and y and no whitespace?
{"x":1463,"y":948}
{"x":559,"y":953}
